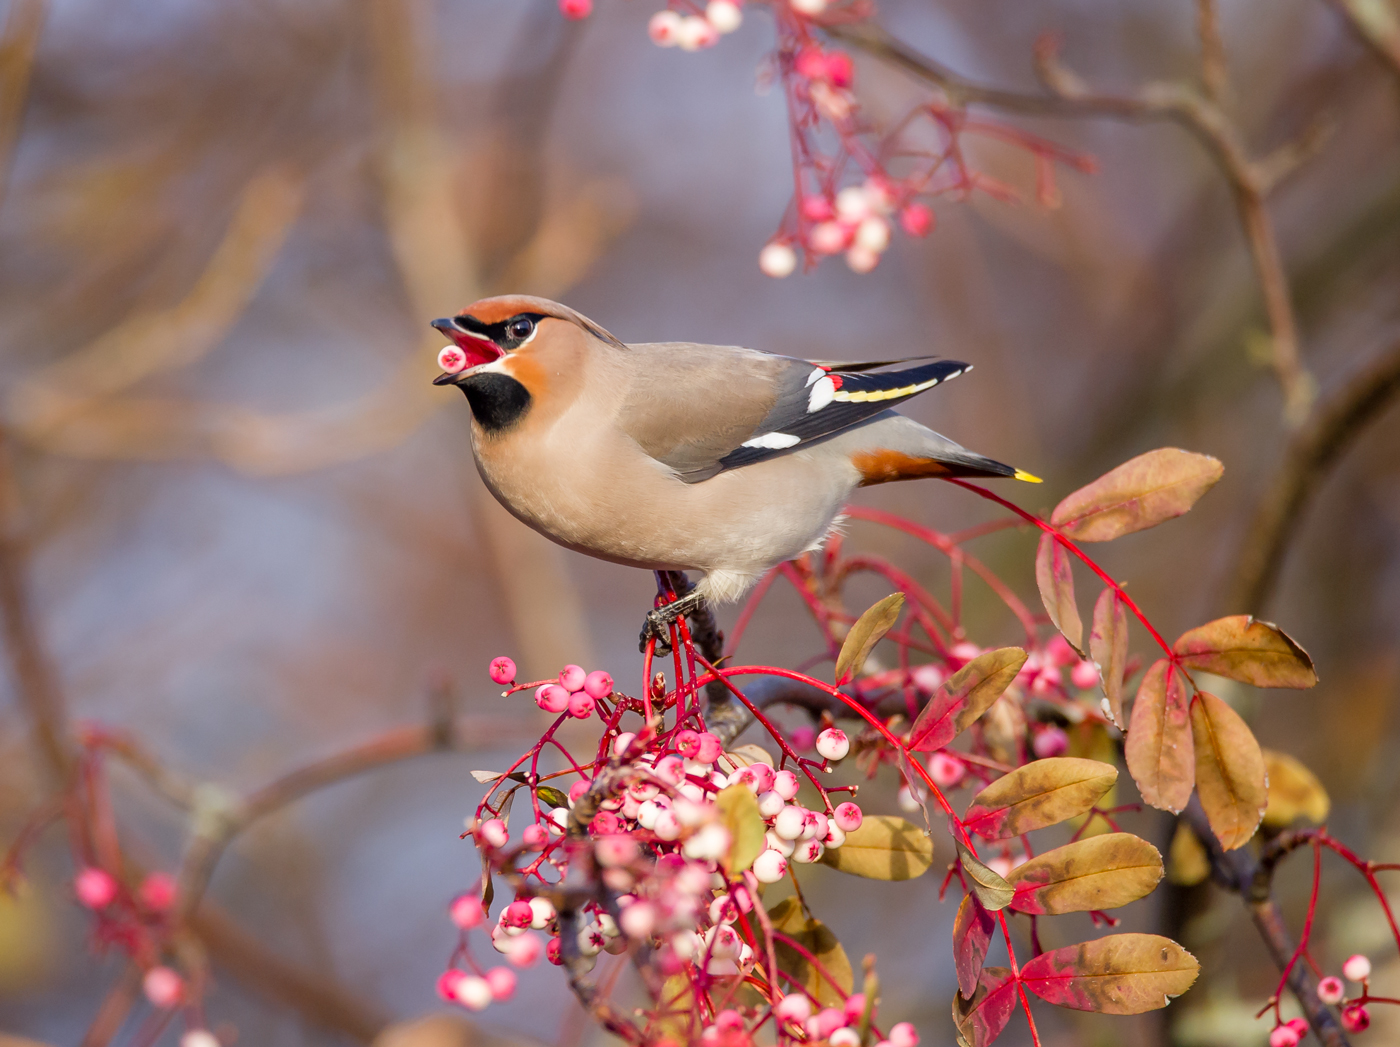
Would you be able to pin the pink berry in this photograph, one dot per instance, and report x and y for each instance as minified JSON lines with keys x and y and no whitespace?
{"x":571,"y":678}
{"x":472,"y":992}
{"x":945,"y":770}
{"x":927,"y":678}
{"x":811,"y":63}
{"x":1050,"y":741}
{"x":552,"y":698}
{"x":580,"y":705}
{"x":802,"y":738}
{"x":502,"y":671}
{"x":777,"y":259}
{"x":452,"y":360}
{"x":518,"y":914}
{"x":1298,"y":1025}
{"x":524,"y":950}
{"x":826,"y":1021}
{"x":493,"y":833}
{"x":576,"y":8}
{"x":502,"y":983}
{"x":447,"y":984}
{"x":163,"y":987}
{"x":664,"y":27}
{"x":466,"y":911}
{"x":605,"y":823}
{"x":785,"y":784}
{"x":904,"y":1035}
{"x":829,"y":237}
{"x":1357,"y":968}
{"x":832,"y":744}
{"x":816,"y":209}
{"x":552,"y":953}
{"x":840,"y":70}
{"x":1331,"y":991}
{"x":1084,"y":675}
{"x":769,"y":867}
{"x":916,"y":220}
{"x":534,"y":836}
{"x":615,"y":849}
{"x":964,"y":652}
{"x":95,"y":888}
{"x":157,"y":892}
{"x":709,"y":749}
{"x":1283,"y":1036}
{"x":598,"y":684}
{"x":688,"y":743}
{"x":1059,"y":652}
{"x":854,"y":1006}
{"x":1355,"y":1018}
{"x":793,"y":1008}
{"x":848,"y":817}
{"x":578,"y":789}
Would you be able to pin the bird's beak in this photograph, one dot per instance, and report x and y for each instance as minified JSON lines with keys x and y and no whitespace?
{"x":478,"y":350}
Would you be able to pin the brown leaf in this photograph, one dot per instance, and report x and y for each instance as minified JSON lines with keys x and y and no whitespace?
{"x":1158,"y":748}
{"x":1041,"y":793}
{"x":882,"y":848}
{"x":992,"y":891}
{"x":814,"y":936}
{"x":1230,"y":778}
{"x":1246,"y":649}
{"x":1056,"y":583}
{"x":865,"y":634}
{"x":1108,"y":647}
{"x":1102,"y":872}
{"x":981,"y":1019}
{"x":1187,"y":861}
{"x":1119,"y":974}
{"x":1294,"y":792}
{"x":738,"y":809}
{"x":972,"y":936}
{"x":1140,"y":493}
{"x":964,"y":697}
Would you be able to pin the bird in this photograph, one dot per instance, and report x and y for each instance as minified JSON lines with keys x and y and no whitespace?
{"x":676,"y":456}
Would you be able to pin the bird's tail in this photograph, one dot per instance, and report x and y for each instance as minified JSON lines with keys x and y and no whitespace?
{"x":915,"y":452}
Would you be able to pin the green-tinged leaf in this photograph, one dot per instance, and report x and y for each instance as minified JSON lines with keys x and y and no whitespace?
{"x":865,"y":634}
{"x":972,"y":936}
{"x":1119,"y":974}
{"x":1187,"y":861}
{"x":1043,"y":792}
{"x":981,"y":1019}
{"x":1230,"y":778}
{"x":1294,"y":792}
{"x":552,"y":796}
{"x":883,"y":848}
{"x":1246,"y":649}
{"x":1056,"y":583}
{"x":1140,"y":493}
{"x":1160,"y":754}
{"x":991,"y":889}
{"x":1102,"y":872}
{"x":1108,"y":647}
{"x":964,"y":697}
{"x":675,"y":1005}
{"x":739,"y":813}
{"x":817,"y":939}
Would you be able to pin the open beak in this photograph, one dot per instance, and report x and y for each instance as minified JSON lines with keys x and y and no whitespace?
{"x":475,"y":351}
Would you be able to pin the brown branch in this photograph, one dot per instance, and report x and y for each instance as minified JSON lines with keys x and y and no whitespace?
{"x":1378,"y":25}
{"x":18,"y":44}
{"x":1329,"y":431}
{"x":1215,"y":73}
{"x":1238,"y":872}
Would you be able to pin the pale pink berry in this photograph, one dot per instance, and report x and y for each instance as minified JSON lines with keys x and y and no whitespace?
{"x":803,"y":738}
{"x":199,"y":1038}
{"x":1357,"y":968}
{"x":605,"y":823}
{"x":578,"y":789}
{"x":493,"y":833}
{"x":916,"y":220}
{"x":828,"y":237}
{"x":1084,"y":675}
{"x":763,"y":777}
{"x":724,"y":15}
{"x":1355,"y":1018}
{"x":808,"y":851}
{"x":695,"y":33}
{"x":163,"y":987}
{"x":524,"y":950}
{"x":472,"y":992}
{"x":852,"y":202}
{"x":1050,"y":741}
{"x":945,"y":770}
{"x":854,"y":1006}
{"x":790,"y":822}
{"x":664,"y":27}
{"x":770,"y":804}
{"x":793,"y":1008}
{"x":502,"y":671}
{"x":667,"y":826}
{"x":541,"y":912}
{"x":571,"y":677}
{"x":873,"y":234}
{"x":670,"y":769}
{"x":928,"y":678}
{"x":615,"y":850}
{"x":1283,"y":1036}
{"x":581,"y":705}
{"x":157,"y":892}
{"x":1331,"y":991}
{"x":638,"y":920}
{"x":785,"y":784}
{"x":861,"y":259}
{"x":571,"y":9}
{"x":447,"y":983}
{"x":1048,"y":681}
{"x":965,"y":651}
{"x":835,"y":837}
{"x":452,"y":360}
{"x":622,"y":742}
{"x":832,"y":744}
{"x":709,"y":749}
{"x":904,"y":1035}
{"x":814,"y":826}
{"x":598,"y":684}
{"x":710,"y":844}
{"x":776,"y":259}
{"x":95,"y":888}
{"x":501,"y":981}
{"x":825,"y":1022}
{"x":1059,"y":652}
{"x":552,"y":698}
{"x":517,"y":914}
{"x":729,"y":1021}
{"x":466,"y":911}
{"x":848,"y":816}
{"x":534,"y":836}
{"x":769,"y":867}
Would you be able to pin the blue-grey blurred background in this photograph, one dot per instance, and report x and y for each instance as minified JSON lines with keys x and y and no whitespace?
{"x":255,"y":535}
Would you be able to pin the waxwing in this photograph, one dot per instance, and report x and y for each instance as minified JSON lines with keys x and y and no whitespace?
{"x":676,"y":456}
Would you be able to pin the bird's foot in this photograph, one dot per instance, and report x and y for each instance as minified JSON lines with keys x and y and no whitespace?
{"x":658,"y":623}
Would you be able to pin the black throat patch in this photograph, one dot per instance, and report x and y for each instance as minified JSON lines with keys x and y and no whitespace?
{"x":497,"y":400}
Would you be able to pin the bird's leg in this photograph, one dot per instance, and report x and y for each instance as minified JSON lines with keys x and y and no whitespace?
{"x":659,"y":621}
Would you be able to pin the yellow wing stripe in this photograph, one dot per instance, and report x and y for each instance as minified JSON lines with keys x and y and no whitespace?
{"x":860,"y":396}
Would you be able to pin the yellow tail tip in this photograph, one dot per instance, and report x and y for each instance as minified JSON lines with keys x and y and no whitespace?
{"x":1021,"y":474}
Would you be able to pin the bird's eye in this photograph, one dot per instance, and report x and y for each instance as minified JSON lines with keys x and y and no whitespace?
{"x":520,"y":328}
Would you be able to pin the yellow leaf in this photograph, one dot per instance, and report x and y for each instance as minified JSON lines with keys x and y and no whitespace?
{"x":883,"y":848}
{"x":865,"y":634}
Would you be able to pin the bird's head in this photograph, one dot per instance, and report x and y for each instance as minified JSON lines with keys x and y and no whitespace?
{"x":494,"y":328}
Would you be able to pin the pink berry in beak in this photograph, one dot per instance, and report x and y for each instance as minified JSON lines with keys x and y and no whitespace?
{"x":502,"y":671}
{"x":452,"y":360}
